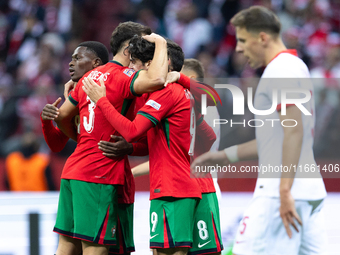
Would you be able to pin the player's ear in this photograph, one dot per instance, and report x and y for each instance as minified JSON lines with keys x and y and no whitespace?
{"x":264,"y":38}
{"x":96,"y":62}
{"x":147,"y":64}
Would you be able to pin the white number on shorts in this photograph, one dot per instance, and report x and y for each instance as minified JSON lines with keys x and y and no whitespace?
{"x":154,"y":220}
{"x":202,"y":230}
{"x":88,"y":124}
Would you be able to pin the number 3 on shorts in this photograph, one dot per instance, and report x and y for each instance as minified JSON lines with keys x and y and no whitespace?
{"x":202,"y":230}
{"x":154,"y":220}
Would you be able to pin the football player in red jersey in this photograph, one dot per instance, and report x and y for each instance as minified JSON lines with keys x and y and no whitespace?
{"x":87,"y":56}
{"x":89,"y":179}
{"x":206,"y":227}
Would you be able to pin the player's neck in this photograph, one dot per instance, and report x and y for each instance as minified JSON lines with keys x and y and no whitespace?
{"x":125,"y":61}
{"x":273,"y":50}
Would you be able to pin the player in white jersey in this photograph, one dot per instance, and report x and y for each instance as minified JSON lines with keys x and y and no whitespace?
{"x":296,"y":199}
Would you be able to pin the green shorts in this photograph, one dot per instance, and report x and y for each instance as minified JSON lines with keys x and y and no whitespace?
{"x":89,"y":212}
{"x":172,"y":222}
{"x":207,"y":230}
{"x":126,"y":243}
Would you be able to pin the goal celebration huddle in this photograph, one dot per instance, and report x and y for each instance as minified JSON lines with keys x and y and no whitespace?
{"x":146,"y":100}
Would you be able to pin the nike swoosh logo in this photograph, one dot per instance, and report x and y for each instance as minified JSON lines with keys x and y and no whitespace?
{"x":153,"y":236}
{"x":201,"y":245}
{"x":239,"y":241}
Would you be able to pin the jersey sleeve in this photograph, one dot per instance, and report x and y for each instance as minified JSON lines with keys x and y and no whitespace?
{"x":54,"y":137}
{"x":140,"y":148}
{"x":159,"y":105}
{"x":131,"y":131}
{"x":126,"y":82}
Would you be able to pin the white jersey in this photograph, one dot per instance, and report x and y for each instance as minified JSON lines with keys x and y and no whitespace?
{"x":270,"y":136}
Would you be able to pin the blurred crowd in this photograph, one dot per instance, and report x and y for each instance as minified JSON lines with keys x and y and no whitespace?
{"x":37,"y":38}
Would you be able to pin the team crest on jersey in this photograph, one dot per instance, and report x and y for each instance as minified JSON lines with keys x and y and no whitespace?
{"x":129,"y":72}
{"x":153,"y":104}
{"x":113,"y":231}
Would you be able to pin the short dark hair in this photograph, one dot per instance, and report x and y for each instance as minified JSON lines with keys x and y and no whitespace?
{"x":194,"y":65}
{"x":125,"y":31}
{"x":98,"y":49}
{"x":141,"y":49}
{"x":144,"y":50}
{"x":176,"y":55}
{"x":257,"y":19}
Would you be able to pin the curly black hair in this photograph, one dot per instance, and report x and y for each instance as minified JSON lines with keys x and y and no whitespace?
{"x":141,"y":49}
{"x":144,"y":50}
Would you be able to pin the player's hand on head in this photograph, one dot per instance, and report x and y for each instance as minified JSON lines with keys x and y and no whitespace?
{"x":51,"y":111}
{"x":172,"y":77}
{"x":153,"y":38}
{"x":289,"y":214}
{"x":119,"y":148}
{"x":68,"y":87}
{"x":201,"y":163}
{"x":93,"y":90}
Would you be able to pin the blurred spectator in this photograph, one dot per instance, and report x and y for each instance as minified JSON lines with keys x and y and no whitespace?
{"x":187,"y":29}
{"x":323,"y":114}
{"x":28,"y":169}
{"x":146,"y":17}
{"x":29,"y":109}
{"x":39,"y":64}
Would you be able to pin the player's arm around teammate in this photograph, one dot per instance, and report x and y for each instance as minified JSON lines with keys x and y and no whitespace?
{"x":153,"y":78}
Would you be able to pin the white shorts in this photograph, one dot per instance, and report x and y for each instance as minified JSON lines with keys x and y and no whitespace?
{"x":261,"y":231}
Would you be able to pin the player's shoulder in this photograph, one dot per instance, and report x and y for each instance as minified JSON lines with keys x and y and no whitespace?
{"x":286,"y":65}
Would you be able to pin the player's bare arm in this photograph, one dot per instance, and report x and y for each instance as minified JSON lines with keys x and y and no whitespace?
{"x":292,"y":143}
{"x":51,"y":111}
{"x":142,"y":169}
{"x":154,"y":78}
{"x":244,"y":151}
{"x":172,"y":77}
{"x":64,"y":120}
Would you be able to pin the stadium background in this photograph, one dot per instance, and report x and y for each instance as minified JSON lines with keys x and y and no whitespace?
{"x":37,"y":38}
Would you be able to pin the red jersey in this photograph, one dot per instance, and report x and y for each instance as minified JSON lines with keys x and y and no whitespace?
{"x":169,"y":142}
{"x":205,"y":137}
{"x":87,"y":163}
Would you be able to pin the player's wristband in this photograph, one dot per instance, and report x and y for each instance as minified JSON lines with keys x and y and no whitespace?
{"x":231,"y":153}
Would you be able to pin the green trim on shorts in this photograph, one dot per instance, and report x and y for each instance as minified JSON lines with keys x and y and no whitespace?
{"x":207,"y":230}
{"x":171,"y":222}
